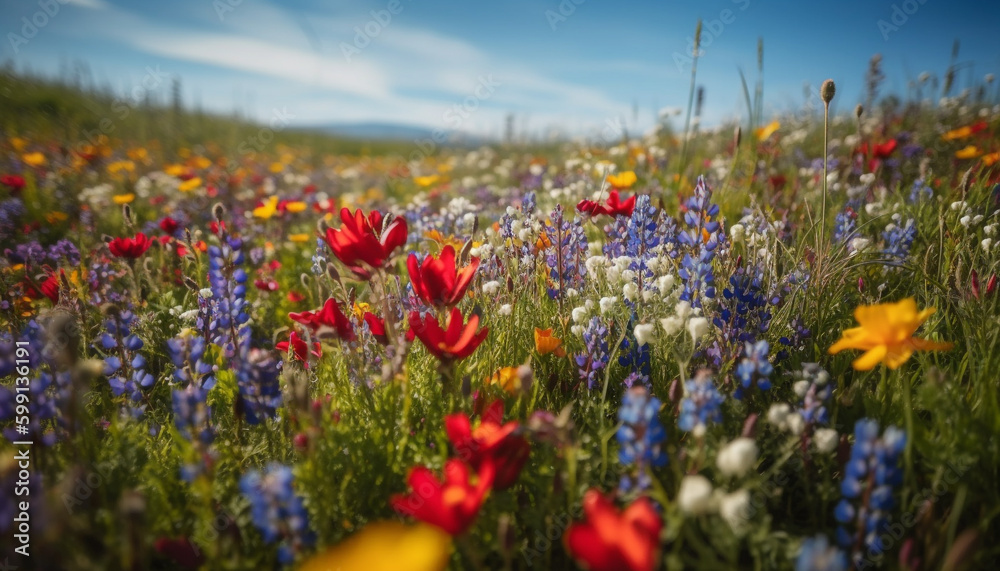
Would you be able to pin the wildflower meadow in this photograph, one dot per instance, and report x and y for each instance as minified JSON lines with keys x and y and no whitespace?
{"x":771,"y":344}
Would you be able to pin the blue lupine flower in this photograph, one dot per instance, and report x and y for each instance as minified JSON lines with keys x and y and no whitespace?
{"x":817,"y":554}
{"x":48,"y":390}
{"x":870,"y":477}
{"x":744,"y":310}
{"x":920,"y":191}
{"x":898,"y":241}
{"x":187,"y":353}
{"x":124,"y":366}
{"x":227,"y":279}
{"x":260,"y":391}
{"x":634,"y":356}
{"x":701,"y":218}
{"x":754,"y":369}
{"x":595,"y":357}
{"x":795,"y":339}
{"x":814,"y":388}
{"x":277,"y":511}
{"x":699,"y":280}
{"x":192,"y":415}
{"x":566,"y":255}
{"x":319,"y":259}
{"x":846,"y":223}
{"x":641,"y":237}
{"x":640,"y":436}
{"x":11,"y":211}
{"x":701,"y":403}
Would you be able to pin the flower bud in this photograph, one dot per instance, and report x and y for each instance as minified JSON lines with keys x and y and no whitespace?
{"x":827,"y":91}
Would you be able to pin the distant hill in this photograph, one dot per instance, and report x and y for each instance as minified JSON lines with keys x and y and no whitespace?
{"x":376,"y":130}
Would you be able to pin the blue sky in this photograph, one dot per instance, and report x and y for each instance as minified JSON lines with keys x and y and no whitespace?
{"x":572,"y":66}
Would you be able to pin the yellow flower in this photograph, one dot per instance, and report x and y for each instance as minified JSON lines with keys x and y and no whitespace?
{"x":190,"y":184}
{"x":969,"y":152}
{"x":35,"y":159}
{"x":991,"y":158}
{"x":885,"y":333}
{"x":139,"y":154}
{"x":387,"y":546}
{"x":546,"y":343}
{"x":119,"y":166}
{"x":425,"y":181}
{"x":960,"y":133}
{"x":299,"y":237}
{"x":766,"y":131}
{"x":268,"y":209}
{"x":276,"y":167}
{"x":202,"y":163}
{"x":53,"y":217}
{"x":360,"y":309}
{"x":175,"y":170}
{"x":123,"y":198}
{"x":622,"y":180}
{"x":296,"y":206}
{"x":18,"y":143}
{"x":507,"y":378}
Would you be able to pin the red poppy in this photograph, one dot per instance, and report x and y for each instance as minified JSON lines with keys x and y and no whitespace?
{"x":298,"y":348}
{"x":130,"y":248}
{"x":613,"y":541}
{"x":217,"y":227}
{"x":295,"y":297}
{"x":458,"y":341}
{"x":612,"y":207}
{"x":329,"y":321}
{"x":266,"y":285}
{"x":376,"y":326}
{"x":490,"y":442}
{"x":362,"y":244}
{"x":50,"y":287}
{"x":437,"y":281}
{"x":452,"y":504}
{"x":169,"y":225}
{"x":13,"y":182}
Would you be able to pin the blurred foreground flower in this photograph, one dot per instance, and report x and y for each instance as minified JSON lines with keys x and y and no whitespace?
{"x":610,"y":540}
{"x":387,"y":546}
{"x":885,"y":333}
{"x":491,"y":442}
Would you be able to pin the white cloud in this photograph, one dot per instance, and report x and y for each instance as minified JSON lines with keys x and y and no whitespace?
{"x":91,"y":4}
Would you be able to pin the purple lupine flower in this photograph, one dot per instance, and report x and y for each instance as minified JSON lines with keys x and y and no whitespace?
{"x":595,"y":357}
{"x":898,"y":240}
{"x":870,"y":478}
{"x":278,"y":512}
{"x":701,"y":404}
{"x":566,"y":255}
{"x":813,"y":386}
{"x":817,"y":554}
{"x":754,"y":369}
{"x":641,"y":437}
{"x":124,"y":365}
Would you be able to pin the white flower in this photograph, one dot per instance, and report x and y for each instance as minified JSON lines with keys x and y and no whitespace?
{"x":986,"y":243}
{"x":825,"y":440}
{"x":860,"y":244}
{"x":737,"y":457}
{"x":778,"y":414}
{"x":205,"y":293}
{"x":867,"y":178}
{"x":572,"y":293}
{"x":665,"y":284}
{"x":577,"y":330}
{"x":796,"y":424}
{"x":506,"y":309}
{"x":800,"y":387}
{"x":579,"y":314}
{"x":672,"y":324}
{"x":189,"y":315}
{"x":695,"y":494}
{"x":628,"y":275}
{"x":697,"y":327}
{"x":607,"y":303}
{"x":644,"y":332}
{"x":964,"y":221}
{"x":491,"y":287}
{"x":737,"y":232}
{"x":683,"y":309}
{"x":990,"y":230}
{"x":735,"y":510}
{"x":630,"y":291}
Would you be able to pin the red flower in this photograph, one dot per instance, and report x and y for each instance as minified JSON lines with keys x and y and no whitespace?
{"x":50,"y":287}
{"x":437,"y":281}
{"x":266,"y":285}
{"x":609,"y":541}
{"x":452,"y":504}
{"x":295,"y":297}
{"x":169,"y":225}
{"x":456,"y":342}
{"x":299,"y":349}
{"x":376,"y":326}
{"x":217,"y":228}
{"x":130,"y":247}
{"x":489,"y":443}
{"x":13,"y":182}
{"x":329,"y":321}
{"x":612,"y":207}
{"x":362,"y":244}
{"x":884,"y":150}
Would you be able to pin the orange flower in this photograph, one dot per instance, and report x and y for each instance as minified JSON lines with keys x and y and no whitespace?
{"x":546,"y":343}
{"x":622,"y":180}
{"x":885,"y":333}
{"x":609,"y":540}
{"x":35,"y":159}
{"x":766,"y":131}
{"x":991,"y":158}
{"x":190,"y":184}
